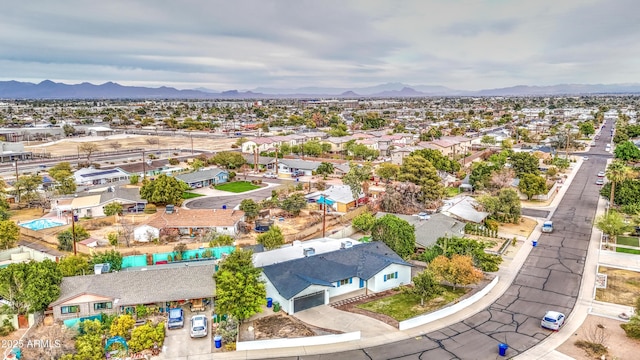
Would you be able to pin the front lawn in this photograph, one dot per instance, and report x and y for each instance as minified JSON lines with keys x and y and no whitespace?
{"x":451,"y":191}
{"x":629,"y":241}
{"x":190,"y":195}
{"x":237,"y":187}
{"x":403,"y":306}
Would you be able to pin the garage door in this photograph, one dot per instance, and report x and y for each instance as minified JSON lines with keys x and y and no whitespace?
{"x":308,"y":301}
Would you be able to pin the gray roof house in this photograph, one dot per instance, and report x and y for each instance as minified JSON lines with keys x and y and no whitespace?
{"x":313,"y":280}
{"x":82,"y":296}
{"x":429,"y":229}
{"x":287,"y":166}
{"x":465,"y":209}
{"x":204,"y":177}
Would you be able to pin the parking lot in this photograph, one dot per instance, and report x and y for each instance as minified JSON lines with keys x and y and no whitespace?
{"x":178,"y":343}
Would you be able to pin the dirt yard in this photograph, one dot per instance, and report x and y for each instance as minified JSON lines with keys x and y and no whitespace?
{"x":124,"y":141}
{"x":524,"y":228}
{"x":619,"y":346}
{"x":279,"y":326}
{"x":623,"y":286}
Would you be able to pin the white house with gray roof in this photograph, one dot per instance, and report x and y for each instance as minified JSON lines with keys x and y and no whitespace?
{"x":288,"y":166}
{"x":315,"y":279}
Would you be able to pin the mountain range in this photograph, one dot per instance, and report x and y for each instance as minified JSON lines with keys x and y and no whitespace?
{"x":53,"y":90}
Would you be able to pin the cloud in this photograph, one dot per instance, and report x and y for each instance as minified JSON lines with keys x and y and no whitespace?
{"x":465,"y":44}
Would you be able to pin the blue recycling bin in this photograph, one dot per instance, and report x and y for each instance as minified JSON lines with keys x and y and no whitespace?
{"x":535,"y":242}
{"x":269,"y":302}
{"x":502,"y":349}
{"x":224,"y":207}
{"x":218,"y":341}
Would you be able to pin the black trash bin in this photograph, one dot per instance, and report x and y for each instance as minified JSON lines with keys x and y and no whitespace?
{"x":502,"y":349}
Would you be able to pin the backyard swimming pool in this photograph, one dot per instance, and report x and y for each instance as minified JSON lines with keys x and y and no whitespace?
{"x":40,"y":224}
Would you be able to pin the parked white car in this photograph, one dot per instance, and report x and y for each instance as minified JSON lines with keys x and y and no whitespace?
{"x":199,"y":326}
{"x":270,"y":175}
{"x":552,"y":320}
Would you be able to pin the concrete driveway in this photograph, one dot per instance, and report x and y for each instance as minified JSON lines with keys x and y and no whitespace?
{"x":179,"y":345}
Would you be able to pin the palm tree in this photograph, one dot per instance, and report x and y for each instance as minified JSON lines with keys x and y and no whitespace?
{"x":616,"y":172}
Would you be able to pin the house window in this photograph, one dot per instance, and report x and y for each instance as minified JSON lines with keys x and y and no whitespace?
{"x":393,"y":275}
{"x":102,"y":306}
{"x":70,"y":309}
{"x":345,"y":282}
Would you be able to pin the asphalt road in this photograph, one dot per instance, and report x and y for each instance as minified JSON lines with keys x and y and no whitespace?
{"x":548,"y":280}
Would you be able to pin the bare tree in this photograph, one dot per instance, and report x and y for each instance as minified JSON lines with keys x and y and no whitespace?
{"x":115,"y":145}
{"x":88,"y":148}
{"x":502,"y":178}
{"x":151,"y":141}
{"x":126,"y":231}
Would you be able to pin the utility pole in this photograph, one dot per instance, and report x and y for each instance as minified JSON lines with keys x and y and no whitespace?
{"x":255,"y":159}
{"x":144,"y":166}
{"x":15,"y":163}
{"x":324,"y":215}
{"x":276,"y":160}
{"x":73,"y":230}
{"x":191,"y":132}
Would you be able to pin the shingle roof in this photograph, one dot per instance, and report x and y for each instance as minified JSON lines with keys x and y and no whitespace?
{"x":143,"y":287}
{"x":202,"y":218}
{"x":202,"y":175}
{"x":363,"y":261}
{"x":300,"y":164}
{"x":428,"y":231}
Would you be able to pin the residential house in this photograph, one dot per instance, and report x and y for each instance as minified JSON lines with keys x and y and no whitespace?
{"x":398,"y":154}
{"x":288,"y":166}
{"x":150,"y":168}
{"x":338,"y":144}
{"x":429,"y":228}
{"x":119,"y":292}
{"x":464,"y":208}
{"x":92,"y":176}
{"x":92,"y":203}
{"x":196,"y":221}
{"x":26,"y":253}
{"x":340,"y":198}
{"x":204,"y":177}
{"x":264,"y":162}
{"x":315,"y":279}
{"x":315,"y":135}
{"x":259,"y":143}
{"x":99,"y":131}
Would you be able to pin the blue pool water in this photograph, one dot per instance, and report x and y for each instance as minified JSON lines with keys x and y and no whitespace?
{"x":40,"y":224}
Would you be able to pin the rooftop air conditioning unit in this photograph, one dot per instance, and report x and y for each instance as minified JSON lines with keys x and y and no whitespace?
{"x":346,"y":245}
{"x":309,"y":252}
{"x":101,"y":268}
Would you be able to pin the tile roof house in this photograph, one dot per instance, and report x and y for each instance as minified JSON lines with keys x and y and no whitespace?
{"x":82,"y":296}
{"x":197,"y":221}
{"x":313,"y":280}
{"x":204,"y":177}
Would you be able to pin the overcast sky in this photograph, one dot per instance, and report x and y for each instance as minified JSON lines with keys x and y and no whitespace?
{"x":238,"y":44}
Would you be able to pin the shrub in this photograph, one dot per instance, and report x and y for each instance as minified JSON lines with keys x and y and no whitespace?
{"x":6,"y":328}
{"x":228,"y":330}
{"x":150,"y":209}
{"x":173,"y":161}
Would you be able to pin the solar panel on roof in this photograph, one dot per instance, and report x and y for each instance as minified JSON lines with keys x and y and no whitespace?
{"x":100,"y":173}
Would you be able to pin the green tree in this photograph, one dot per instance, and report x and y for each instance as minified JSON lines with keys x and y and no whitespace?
{"x":68,"y":130}
{"x":616,"y":172}
{"x":112,"y":257}
{"x":216,"y":240}
{"x":197,"y":164}
{"x":416,"y":169}
{"x":294,"y":204}
{"x":228,"y":159}
{"x":504,"y":207}
{"x":134,"y":179}
{"x":112,"y":208}
{"x":438,"y":160}
{"x":396,"y":233}
{"x":122,"y":326}
{"x":488,"y":140}
{"x":364,"y":222}
{"x":251,"y":208}
{"x":30,"y":286}
{"x":480,"y":176}
{"x":587,"y":128}
{"x":74,"y":265}
{"x":163,"y":190}
{"x":27,"y":186}
{"x":9,"y":234}
{"x":387,"y":171}
{"x":531,"y":184}
{"x":65,"y":238}
{"x":312,"y":148}
{"x":425,"y":285}
{"x":63,"y":175}
{"x":627,"y":151}
{"x":325,"y":168}
{"x":612,"y":224}
{"x":145,"y":336}
{"x":356,"y":178}
{"x":272,"y":238}
{"x":239,"y":289}
{"x":524,"y":163}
